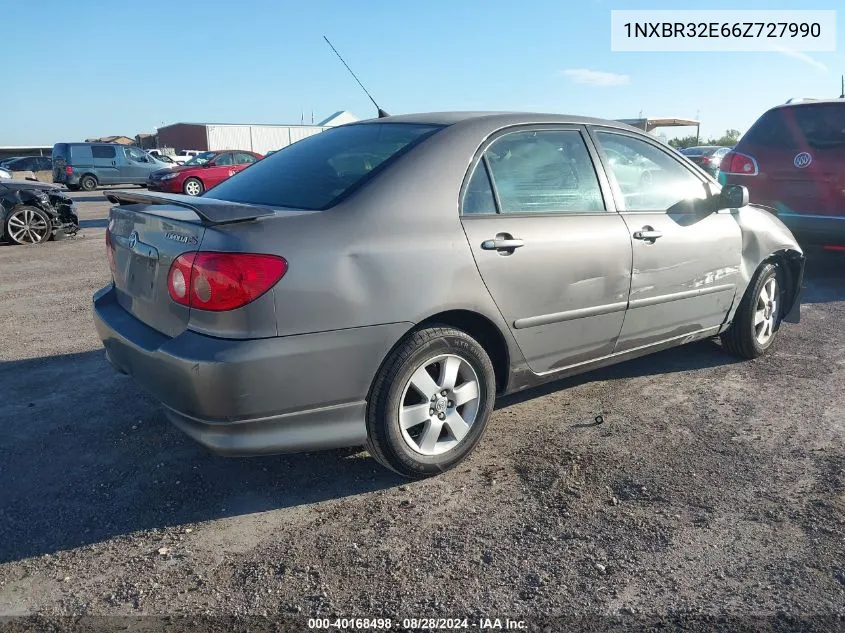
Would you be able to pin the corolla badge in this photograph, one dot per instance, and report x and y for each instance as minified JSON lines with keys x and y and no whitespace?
{"x":802,"y":160}
{"x":179,"y":237}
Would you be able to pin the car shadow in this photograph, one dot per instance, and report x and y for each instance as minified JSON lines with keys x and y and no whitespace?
{"x":85,"y":456}
{"x":698,"y":355}
{"x":94,"y":224}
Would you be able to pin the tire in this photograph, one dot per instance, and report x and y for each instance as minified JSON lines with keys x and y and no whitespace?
{"x":193,"y":187}
{"x":28,"y":225}
{"x":412,"y":381}
{"x":748,"y":336}
{"x":88,"y":182}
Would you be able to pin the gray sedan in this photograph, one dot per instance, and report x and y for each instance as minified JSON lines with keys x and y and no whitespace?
{"x":382,"y":282}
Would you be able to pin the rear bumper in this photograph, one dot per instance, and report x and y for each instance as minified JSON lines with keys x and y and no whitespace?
{"x":251,"y":397}
{"x":64,"y":178}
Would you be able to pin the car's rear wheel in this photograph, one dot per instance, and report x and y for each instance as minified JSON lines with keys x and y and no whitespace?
{"x":193,"y":187}
{"x":430,"y":402}
{"x":758,"y":317}
{"x":88,"y":183}
{"x":28,"y":225}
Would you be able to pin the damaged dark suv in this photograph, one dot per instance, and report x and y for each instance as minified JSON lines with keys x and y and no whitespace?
{"x":34,"y":212}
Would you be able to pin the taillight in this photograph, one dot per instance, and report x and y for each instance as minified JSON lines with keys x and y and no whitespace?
{"x":739,"y":164}
{"x":110,"y":252}
{"x":222,"y":281}
{"x":68,"y":170}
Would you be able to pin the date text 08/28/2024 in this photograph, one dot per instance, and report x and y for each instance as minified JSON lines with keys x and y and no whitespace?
{"x":417,"y":624}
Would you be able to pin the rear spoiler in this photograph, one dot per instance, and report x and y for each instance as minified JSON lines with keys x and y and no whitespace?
{"x":210,"y":210}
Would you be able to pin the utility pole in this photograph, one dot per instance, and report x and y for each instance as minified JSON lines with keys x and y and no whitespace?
{"x":842,"y":96}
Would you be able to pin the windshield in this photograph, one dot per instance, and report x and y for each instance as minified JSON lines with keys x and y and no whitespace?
{"x":202,"y":159}
{"x":317,"y":172}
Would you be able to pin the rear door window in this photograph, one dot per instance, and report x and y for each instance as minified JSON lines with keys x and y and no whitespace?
{"x":544,"y":171}
{"x":320,"y":170}
{"x":478,"y":197}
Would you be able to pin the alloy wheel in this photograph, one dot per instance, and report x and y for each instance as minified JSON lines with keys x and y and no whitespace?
{"x":26,"y":226}
{"x":766,"y":311}
{"x":193,"y":188}
{"x":439,"y":404}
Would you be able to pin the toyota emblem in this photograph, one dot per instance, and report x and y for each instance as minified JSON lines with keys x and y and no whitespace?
{"x":802,"y":160}
{"x":133,"y":239}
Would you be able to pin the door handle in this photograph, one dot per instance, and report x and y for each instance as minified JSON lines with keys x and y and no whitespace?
{"x":647,"y":234}
{"x":502,"y":242}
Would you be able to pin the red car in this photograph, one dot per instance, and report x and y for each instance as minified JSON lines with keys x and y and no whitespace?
{"x":202,"y":172}
{"x":793,"y":161}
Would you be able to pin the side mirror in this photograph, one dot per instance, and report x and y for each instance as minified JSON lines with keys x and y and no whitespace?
{"x":733,"y":197}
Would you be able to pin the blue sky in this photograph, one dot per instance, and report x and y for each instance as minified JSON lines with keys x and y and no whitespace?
{"x":99,"y":68}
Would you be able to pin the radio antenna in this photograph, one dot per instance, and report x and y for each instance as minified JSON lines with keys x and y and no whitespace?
{"x":381,"y":113}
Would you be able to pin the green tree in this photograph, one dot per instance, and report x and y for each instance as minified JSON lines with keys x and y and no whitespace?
{"x":729,"y":139}
{"x":683,"y":142}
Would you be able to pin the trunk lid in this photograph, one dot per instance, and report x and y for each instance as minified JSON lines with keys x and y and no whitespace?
{"x":146,"y":233}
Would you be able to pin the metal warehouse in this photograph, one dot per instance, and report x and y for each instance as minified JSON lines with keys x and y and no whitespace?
{"x":215,"y":136}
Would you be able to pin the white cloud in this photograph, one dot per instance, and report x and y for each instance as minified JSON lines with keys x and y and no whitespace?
{"x":802,"y":56}
{"x":595,"y":77}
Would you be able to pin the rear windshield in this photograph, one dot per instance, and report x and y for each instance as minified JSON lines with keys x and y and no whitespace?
{"x":320,"y":170}
{"x":60,"y":151}
{"x":820,"y":125}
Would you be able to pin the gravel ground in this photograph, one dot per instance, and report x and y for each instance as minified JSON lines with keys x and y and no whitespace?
{"x":713,"y":487}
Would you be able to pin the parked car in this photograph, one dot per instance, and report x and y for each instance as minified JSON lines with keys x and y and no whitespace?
{"x":30,"y":163}
{"x":184,"y":155}
{"x":9,"y":159}
{"x":35,"y":212}
{"x":383,"y":281}
{"x":793,"y":160}
{"x":708,"y":157}
{"x":202,"y":172}
{"x":88,"y":165}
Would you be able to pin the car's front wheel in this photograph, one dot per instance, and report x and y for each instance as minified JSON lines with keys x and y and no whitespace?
{"x":28,"y":225}
{"x":758,"y":317}
{"x":193,"y":187}
{"x":430,"y":402}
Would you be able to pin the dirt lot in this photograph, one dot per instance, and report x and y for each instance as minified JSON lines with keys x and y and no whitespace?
{"x":712,"y":487}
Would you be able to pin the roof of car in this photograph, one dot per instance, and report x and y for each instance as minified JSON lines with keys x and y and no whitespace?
{"x":809,"y":102}
{"x":503,"y":118}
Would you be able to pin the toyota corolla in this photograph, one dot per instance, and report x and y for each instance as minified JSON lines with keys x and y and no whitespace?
{"x":381,"y":283}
